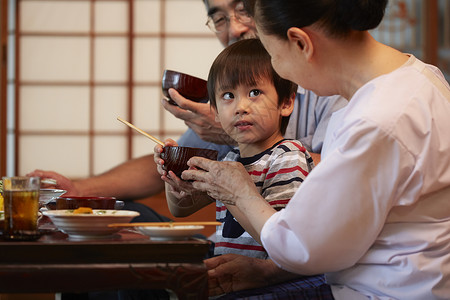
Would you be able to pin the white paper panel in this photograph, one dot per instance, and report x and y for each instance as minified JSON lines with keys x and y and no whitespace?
{"x":147,"y":16}
{"x":146,"y":110}
{"x":67,"y":155}
{"x":110,"y":61}
{"x":186,"y":16}
{"x":54,"y":108}
{"x":109,"y":103}
{"x":10,"y":113}
{"x":171,"y":123}
{"x":55,"y":16}
{"x":111,"y":16}
{"x":108,"y":151}
{"x":147,"y":59}
{"x":54,"y":58}
{"x":64,"y":58}
{"x":142,"y":145}
{"x":10,"y":70}
{"x":192,"y":56}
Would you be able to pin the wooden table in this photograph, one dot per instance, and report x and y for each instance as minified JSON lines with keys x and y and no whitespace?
{"x":54,"y":264}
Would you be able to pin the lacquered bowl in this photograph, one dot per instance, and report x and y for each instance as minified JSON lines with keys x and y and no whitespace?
{"x":190,"y":87}
{"x":92,"y":202}
{"x":46,"y":195}
{"x":176,"y":158}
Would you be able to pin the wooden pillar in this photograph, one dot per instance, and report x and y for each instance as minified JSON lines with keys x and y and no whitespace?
{"x":430,"y":32}
{"x":3,"y":83}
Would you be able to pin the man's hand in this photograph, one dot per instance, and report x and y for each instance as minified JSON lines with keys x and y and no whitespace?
{"x":62,"y":182}
{"x":199,"y":117}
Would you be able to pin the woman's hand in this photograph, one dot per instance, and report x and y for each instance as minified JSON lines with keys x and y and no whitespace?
{"x":230,"y":183}
{"x":226,"y":181}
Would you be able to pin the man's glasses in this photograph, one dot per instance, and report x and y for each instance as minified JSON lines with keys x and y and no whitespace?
{"x":220,"y":21}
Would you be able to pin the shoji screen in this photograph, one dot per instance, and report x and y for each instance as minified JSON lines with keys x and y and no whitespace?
{"x":82,"y":63}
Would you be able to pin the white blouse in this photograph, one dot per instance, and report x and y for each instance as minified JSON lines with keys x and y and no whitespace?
{"x":374,"y":215}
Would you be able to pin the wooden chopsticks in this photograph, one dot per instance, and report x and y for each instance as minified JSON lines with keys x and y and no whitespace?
{"x":163,"y":224}
{"x":141,"y":131}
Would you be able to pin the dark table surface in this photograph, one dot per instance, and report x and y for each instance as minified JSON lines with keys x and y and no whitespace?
{"x":130,"y":260}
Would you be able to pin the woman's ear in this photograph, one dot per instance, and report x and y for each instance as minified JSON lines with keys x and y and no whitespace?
{"x":288,"y":106}
{"x":301,"y":40}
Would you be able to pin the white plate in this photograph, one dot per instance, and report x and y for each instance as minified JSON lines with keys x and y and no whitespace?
{"x":47,"y":195}
{"x":171,"y":233}
{"x":89,"y":226}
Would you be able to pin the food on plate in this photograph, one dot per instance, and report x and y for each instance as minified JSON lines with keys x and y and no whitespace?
{"x":83,"y":210}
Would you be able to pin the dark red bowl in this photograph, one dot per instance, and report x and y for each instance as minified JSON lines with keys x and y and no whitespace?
{"x":92,"y":202}
{"x":190,"y":87}
{"x":176,"y":158}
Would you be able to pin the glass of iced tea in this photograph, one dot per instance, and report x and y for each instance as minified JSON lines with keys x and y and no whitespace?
{"x":21,"y":206}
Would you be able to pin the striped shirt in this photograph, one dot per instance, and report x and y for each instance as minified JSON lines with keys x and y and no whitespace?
{"x":277,"y":173}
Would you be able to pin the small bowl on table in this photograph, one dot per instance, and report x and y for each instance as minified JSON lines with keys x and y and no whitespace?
{"x":176,"y":158}
{"x":190,"y":87}
{"x":47,"y":195}
{"x":90,"y":226}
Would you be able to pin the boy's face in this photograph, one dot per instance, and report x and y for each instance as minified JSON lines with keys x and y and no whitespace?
{"x":251,"y":115}
{"x":235,"y":31}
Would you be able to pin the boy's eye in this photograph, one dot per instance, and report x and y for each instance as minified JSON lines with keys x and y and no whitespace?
{"x":254,"y":93}
{"x":228,"y":96}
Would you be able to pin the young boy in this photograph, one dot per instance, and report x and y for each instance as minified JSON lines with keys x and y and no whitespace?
{"x":253,"y":104}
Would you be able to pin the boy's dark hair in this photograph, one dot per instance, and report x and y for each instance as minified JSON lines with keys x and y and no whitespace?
{"x":244,"y":63}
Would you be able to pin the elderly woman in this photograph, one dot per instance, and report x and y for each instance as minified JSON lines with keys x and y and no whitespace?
{"x":374,"y":215}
